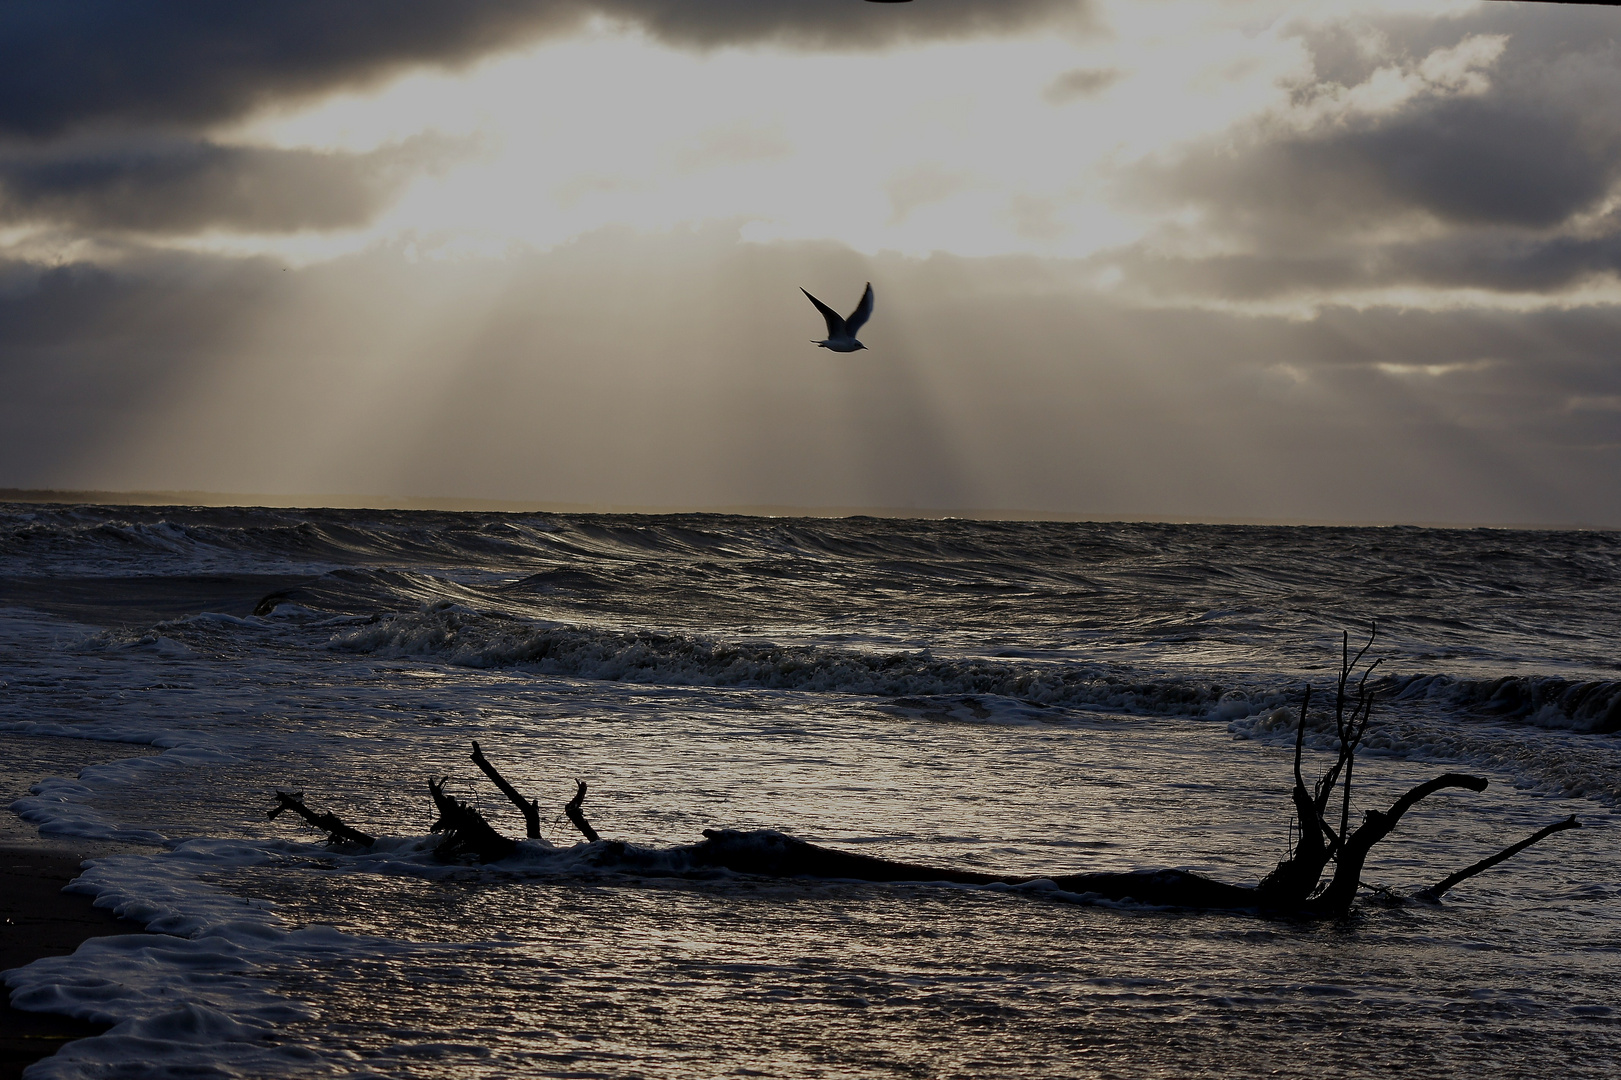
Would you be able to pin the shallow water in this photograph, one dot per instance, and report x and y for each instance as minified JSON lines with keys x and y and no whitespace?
{"x":1039,"y":698}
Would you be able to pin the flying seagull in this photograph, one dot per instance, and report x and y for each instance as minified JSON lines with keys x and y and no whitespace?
{"x":841,"y":333}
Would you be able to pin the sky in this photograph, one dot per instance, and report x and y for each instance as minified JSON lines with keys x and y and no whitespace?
{"x":1343,"y":260}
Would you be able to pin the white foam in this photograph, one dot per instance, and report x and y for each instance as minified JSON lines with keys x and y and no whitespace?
{"x":59,"y":806}
{"x":189,"y":999}
{"x":62,"y":807}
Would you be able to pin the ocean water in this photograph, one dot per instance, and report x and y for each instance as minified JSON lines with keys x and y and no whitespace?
{"x":1024,"y":698}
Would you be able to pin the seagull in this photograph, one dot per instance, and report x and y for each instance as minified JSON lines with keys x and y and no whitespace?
{"x":841,"y":333}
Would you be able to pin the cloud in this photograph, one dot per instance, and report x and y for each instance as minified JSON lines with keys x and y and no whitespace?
{"x":1456,"y":152}
{"x":735,"y":144}
{"x":1499,"y":261}
{"x":921,"y":185}
{"x":66,"y":64}
{"x":838,"y":24}
{"x":1036,"y":218}
{"x":1080,"y":83}
{"x":1520,"y":149}
{"x":73,"y":64}
{"x":171,"y":185}
{"x":671,"y":369}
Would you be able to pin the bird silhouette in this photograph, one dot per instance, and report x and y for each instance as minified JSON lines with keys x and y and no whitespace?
{"x":841,"y":331}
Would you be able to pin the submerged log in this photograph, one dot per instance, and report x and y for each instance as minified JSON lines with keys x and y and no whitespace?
{"x":768,"y":853}
{"x":1294,"y":886}
{"x":772,"y":854}
{"x":1165,"y":888}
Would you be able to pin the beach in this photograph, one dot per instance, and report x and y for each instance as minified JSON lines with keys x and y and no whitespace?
{"x":37,"y":919}
{"x":40,"y":920}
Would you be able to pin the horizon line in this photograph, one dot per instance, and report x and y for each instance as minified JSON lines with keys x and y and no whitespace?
{"x":456,"y":504}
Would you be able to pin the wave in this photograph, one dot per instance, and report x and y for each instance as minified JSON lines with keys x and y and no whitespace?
{"x":1233,"y":598}
{"x":1588,"y":706}
{"x":931,"y":685}
{"x":467,"y":638}
{"x":1571,"y":766}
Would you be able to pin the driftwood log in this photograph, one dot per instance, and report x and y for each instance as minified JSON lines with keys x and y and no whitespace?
{"x":337,"y":832}
{"x":1295,"y":885}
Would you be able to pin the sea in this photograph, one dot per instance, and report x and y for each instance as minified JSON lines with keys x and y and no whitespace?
{"x":1021,"y":698}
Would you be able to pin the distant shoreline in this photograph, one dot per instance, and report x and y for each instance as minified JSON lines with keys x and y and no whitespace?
{"x":448,"y":504}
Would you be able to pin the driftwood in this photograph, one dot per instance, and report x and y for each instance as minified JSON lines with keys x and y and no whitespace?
{"x":1295,"y":885}
{"x":337,"y":832}
{"x":772,"y":854}
{"x":529,"y":808}
{"x":577,"y":816}
{"x":1434,"y":892}
{"x":465,"y":830}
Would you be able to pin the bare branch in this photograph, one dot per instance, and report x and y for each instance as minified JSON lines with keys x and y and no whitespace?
{"x":1373,"y":632}
{"x":337,"y":832}
{"x":576,"y":815}
{"x":1434,"y":893}
{"x":1352,"y":736}
{"x":1428,"y":788}
{"x":1300,"y":736}
{"x":1353,"y":849}
{"x":529,"y":808}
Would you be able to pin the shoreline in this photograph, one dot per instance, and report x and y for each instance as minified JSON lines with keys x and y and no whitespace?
{"x":37,"y":919}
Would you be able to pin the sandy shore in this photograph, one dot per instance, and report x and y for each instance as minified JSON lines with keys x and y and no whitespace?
{"x":37,"y":918}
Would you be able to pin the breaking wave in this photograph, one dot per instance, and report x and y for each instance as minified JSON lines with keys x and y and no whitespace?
{"x":457,"y":635}
{"x":1589,"y":706}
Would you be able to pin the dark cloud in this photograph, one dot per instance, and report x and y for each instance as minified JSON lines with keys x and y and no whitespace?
{"x":1502,"y":158}
{"x":172,"y":185}
{"x":72,"y":63}
{"x":1489,"y":181}
{"x":1506,"y":262}
{"x":1495,"y":261}
{"x":68,"y":64}
{"x":1527,"y":155}
{"x":843,"y":24}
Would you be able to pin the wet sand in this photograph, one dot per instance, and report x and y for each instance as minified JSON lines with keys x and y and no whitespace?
{"x":37,"y":919}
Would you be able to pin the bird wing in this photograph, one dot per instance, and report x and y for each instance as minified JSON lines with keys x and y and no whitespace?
{"x":861,"y":314}
{"x":835,"y":322}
